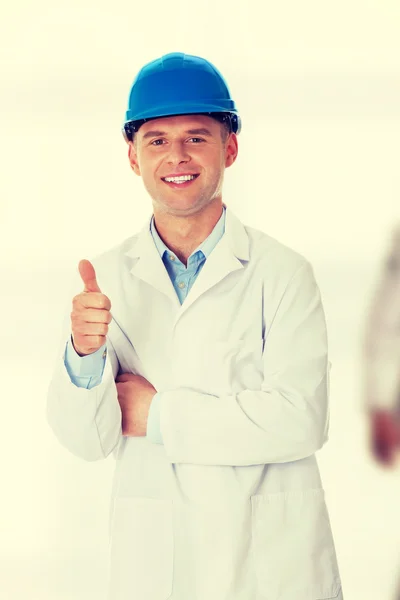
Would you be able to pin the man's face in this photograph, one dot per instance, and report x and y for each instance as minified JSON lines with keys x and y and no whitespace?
{"x":189,"y":145}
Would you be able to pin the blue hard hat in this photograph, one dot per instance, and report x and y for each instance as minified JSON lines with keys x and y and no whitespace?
{"x":179,"y":84}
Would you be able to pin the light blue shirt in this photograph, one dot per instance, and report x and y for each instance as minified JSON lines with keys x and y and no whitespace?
{"x":87,"y":371}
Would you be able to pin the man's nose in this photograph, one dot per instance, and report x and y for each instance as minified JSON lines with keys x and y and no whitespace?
{"x":178,"y":152}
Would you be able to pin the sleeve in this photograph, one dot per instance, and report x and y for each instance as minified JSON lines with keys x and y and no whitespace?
{"x":85,"y":421}
{"x":381,"y":356}
{"x":153,"y":421}
{"x":84,"y":371}
{"x":286,"y":420}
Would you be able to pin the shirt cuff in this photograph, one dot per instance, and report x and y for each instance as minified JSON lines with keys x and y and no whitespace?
{"x":153,"y":421}
{"x":91,"y":365}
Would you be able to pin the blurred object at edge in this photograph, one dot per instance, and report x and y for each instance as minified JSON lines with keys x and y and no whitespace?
{"x":381,"y":359}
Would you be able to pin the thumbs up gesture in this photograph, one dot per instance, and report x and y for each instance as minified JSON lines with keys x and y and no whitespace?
{"x":90,"y":314}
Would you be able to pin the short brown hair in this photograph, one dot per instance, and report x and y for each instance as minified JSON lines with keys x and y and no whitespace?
{"x":225,"y":131}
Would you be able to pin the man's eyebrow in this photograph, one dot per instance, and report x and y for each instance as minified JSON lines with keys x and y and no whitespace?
{"x":154,"y":134}
{"x":198,"y":131}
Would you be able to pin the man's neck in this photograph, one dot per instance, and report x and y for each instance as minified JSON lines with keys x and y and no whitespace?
{"x":182,"y":235}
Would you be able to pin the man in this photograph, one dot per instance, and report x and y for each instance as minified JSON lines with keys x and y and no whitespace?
{"x":382,"y":360}
{"x":208,"y":377}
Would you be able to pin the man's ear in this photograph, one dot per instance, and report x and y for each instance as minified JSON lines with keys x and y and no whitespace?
{"x":231,"y":150}
{"x":133,"y":160}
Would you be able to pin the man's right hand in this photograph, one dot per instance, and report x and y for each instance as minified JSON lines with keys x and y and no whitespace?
{"x":90,"y":314}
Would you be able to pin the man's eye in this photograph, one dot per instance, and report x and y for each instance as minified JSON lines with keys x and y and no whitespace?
{"x":155,"y":142}
{"x":197,"y":139}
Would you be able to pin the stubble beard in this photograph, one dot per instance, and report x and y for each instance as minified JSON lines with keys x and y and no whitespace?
{"x":205,"y":198}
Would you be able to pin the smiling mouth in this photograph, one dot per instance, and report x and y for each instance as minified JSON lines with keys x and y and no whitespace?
{"x":180,"y":180}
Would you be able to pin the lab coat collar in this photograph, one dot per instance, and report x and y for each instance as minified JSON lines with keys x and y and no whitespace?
{"x":227,"y":256}
{"x":206,"y":246}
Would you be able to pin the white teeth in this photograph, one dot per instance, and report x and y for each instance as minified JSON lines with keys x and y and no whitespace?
{"x":180,"y":179}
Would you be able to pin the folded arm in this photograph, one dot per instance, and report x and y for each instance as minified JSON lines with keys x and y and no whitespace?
{"x":286,"y":420}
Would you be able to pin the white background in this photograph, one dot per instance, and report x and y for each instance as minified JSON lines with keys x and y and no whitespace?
{"x":317,"y":84}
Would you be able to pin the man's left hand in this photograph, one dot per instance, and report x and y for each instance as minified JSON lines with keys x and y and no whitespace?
{"x":135,"y":394}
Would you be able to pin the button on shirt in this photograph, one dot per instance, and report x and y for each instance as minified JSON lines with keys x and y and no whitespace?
{"x":87,"y":371}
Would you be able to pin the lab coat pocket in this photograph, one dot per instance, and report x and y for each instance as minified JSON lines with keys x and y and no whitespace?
{"x":294,"y":550}
{"x":222,"y":366}
{"x":141,"y":549}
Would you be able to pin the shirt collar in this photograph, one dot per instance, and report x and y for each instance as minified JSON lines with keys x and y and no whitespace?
{"x":206,"y":247}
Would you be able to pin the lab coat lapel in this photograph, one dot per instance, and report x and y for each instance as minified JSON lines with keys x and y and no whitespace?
{"x":148,"y":265}
{"x":225,"y":258}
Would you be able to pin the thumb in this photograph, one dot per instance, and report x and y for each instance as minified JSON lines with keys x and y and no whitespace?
{"x":88,"y":274}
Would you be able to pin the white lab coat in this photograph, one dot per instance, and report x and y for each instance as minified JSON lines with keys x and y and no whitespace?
{"x":231,"y":507}
{"x":381,"y":389}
